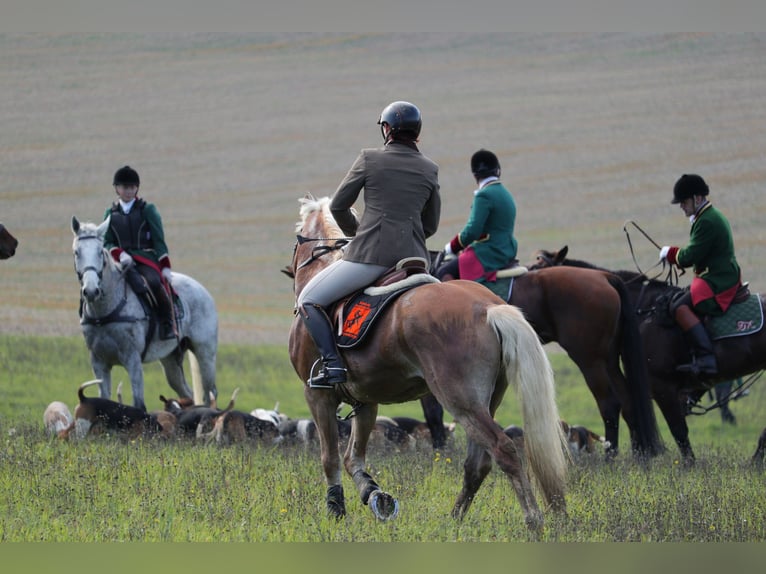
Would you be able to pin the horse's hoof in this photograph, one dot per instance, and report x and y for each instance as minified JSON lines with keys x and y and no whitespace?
{"x":336,"y":505}
{"x":383,"y":505}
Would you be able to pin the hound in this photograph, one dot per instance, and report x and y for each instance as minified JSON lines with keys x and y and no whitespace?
{"x":57,"y":418}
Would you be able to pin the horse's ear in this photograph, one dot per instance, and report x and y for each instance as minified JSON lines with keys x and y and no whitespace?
{"x":75,"y":225}
{"x":563,"y":252}
{"x":101,"y":229}
{"x":288,"y":270}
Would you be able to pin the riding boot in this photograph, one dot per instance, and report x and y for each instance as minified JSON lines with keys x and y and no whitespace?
{"x":165,"y":315}
{"x":332,"y":371}
{"x":703,"y":358}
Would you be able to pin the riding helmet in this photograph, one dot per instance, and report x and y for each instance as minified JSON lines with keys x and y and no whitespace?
{"x":126,"y":176}
{"x":484,"y":164}
{"x":402,"y":118}
{"x":688,"y":186}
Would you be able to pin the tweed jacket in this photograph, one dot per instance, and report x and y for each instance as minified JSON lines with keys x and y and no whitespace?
{"x":402,"y":205}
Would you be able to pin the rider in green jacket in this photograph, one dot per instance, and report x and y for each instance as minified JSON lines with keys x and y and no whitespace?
{"x":486,"y":242}
{"x":136,"y":240}
{"x":717,"y":275}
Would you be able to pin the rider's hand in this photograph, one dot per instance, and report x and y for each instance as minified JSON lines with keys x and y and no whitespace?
{"x":664,"y":252}
{"x":126,"y":260}
{"x":167,"y":274}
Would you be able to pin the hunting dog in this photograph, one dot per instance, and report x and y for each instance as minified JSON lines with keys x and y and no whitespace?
{"x":57,"y":418}
{"x":422,"y":434}
{"x":232,"y":426}
{"x":581,"y":440}
{"x":191,"y":419}
{"x":94,"y":416}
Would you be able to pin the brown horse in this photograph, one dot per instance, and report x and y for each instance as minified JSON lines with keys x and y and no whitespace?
{"x":8,"y":243}
{"x":457,"y":341}
{"x":665,"y":348}
{"x":589,"y":314}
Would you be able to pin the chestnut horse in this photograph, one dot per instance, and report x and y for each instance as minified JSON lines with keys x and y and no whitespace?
{"x":459,"y":342}
{"x":8,"y":243}
{"x":665,"y":348}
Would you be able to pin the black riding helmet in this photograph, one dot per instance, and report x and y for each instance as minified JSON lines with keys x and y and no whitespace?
{"x":403,"y":118}
{"x":126,"y":176}
{"x":688,"y":186}
{"x":484,"y":164}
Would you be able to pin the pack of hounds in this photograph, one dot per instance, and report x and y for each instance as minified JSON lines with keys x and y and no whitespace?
{"x":181,"y":418}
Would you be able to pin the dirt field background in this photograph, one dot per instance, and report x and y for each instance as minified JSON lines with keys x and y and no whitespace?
{"x":228,"y":131}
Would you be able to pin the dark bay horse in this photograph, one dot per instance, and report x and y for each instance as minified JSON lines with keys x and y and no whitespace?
{"x":665,"y":348}
{"x":457,"y":341}
{"x":8,"y":243}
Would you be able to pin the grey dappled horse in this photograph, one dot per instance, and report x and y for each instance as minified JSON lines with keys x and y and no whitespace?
{"x":116,"y":326}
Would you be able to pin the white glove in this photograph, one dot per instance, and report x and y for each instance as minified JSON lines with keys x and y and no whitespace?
{"x":167,"y":274}
{"x":448,"y":248}
{"x":664,"y":252}
{"x":126,"y":260}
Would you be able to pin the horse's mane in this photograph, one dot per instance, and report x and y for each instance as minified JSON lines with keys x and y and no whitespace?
{"x":626,"y":275}
{"x":309,"y":205}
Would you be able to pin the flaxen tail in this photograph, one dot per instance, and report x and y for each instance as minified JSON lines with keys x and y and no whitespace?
{"x":529,"y":372}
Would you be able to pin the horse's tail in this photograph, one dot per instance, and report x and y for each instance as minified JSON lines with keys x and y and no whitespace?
{"x":529,"y":371}
{"x":198,"y":390}
{"x":646,"y":435}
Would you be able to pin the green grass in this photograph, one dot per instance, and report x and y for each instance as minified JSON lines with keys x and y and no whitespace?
{"x":112,"y":489}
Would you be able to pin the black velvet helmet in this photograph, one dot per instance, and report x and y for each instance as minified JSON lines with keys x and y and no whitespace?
{"x":688,"y":186}
{"x":126,"y":176}
{"x":403,"y":118}
{"x":484,"y":164}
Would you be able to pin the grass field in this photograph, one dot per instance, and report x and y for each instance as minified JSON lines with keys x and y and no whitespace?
{"x":111,"y":489}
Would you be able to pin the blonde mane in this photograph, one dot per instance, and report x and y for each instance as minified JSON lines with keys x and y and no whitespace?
{"x":309,"y":205}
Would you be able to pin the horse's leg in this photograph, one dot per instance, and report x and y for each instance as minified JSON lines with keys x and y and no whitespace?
{"x":323,"y":405}
{"x":104,"y":372}
{"x":476,"y":467}
{"x":173,"y":365}
{"x":674,"y":412}
{"x":487,"y":438}
{"x":434,"y":415}
{"x":383,"y":505}
{"x":133,"y":366}
{"x":598,"y":380}
{"x":722,"y":396}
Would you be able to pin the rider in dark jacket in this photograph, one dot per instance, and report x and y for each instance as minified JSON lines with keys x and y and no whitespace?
{"x":136,"y":240}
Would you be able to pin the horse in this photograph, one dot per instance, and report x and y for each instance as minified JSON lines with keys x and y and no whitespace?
{"x":457,"y":341}
{"x":8,"y":243}
{"x":118,"y":330}
{"x":588,"y":313}
{"x":665,"y":348}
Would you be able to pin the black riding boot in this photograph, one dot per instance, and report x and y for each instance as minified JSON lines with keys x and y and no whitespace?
{"x":332,"y":371}
{"x":703,"y":358}
{"x":165,"y":315}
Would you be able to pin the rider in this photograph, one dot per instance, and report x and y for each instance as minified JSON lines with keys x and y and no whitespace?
{"x":136,"y":240}
{"x":717,"y":274}
{"x":402,"y":207}
{"x":486,"y":243}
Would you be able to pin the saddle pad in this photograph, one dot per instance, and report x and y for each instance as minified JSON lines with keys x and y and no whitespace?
{"x":359,"y":313}
{"x":743,"y":318}
{"x":501,"y":287}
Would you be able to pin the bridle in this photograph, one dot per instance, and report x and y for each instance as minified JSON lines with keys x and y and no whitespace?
{"x":99,"y":272}
{"x":318,"y":251}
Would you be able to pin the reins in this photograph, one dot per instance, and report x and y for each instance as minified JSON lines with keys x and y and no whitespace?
{"x":672,"y":275}
{"x":697,"y":409}
{"x":320,"y":250}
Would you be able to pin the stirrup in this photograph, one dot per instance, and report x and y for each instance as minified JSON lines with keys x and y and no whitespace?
{"x":696,"y":368}
{"x":321,"y":376}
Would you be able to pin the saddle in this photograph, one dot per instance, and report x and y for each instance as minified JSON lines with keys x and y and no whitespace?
{"x":355,"y":313}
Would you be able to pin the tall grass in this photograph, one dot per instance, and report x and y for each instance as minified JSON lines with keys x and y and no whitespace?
{"x":113,"y":489}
